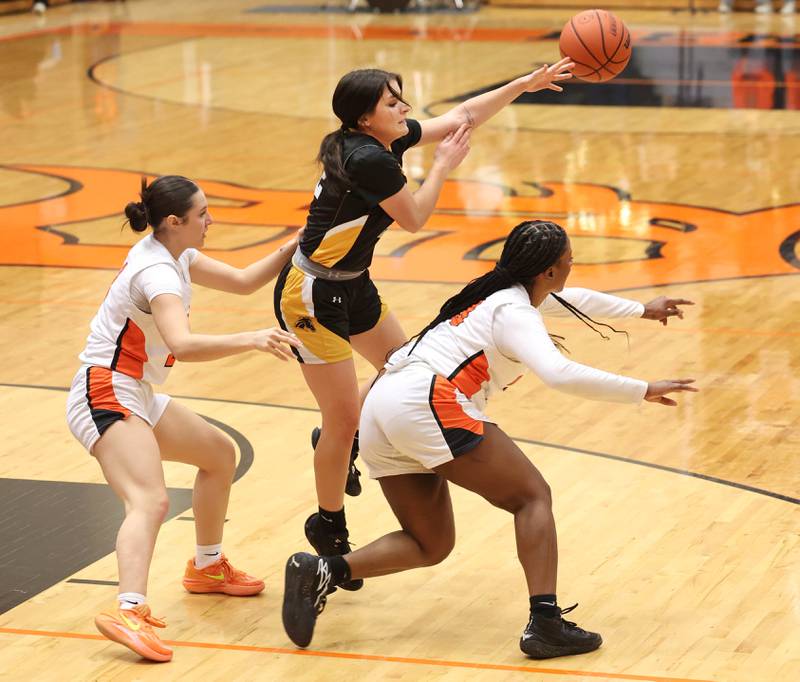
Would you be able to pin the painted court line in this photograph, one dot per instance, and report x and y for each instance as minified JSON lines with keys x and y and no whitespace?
{"x":367,"y":657}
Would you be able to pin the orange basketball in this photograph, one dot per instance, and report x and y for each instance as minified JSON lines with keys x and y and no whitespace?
{"x":599,"y":44}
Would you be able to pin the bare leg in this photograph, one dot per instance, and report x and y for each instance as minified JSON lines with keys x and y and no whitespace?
{"x":421,"y":503}
{"x":129,"y":456}
{"x":501,"y":473}
{"x":185,"y":437}
{"x":376,"y":345}
{"x":335,"y":389}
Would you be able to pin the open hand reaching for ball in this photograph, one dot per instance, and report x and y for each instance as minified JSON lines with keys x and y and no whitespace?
{"x":547,"y":77}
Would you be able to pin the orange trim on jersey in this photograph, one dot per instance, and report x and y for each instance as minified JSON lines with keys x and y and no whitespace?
{"x":469,"y":375}
{"x":130,"y":355}
{"x":170,"y":360}
{"x":447,"y":410}
{"x":459,"y":318}
{"x":100,"y":391}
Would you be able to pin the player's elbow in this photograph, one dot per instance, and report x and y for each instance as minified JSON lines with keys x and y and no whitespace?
{"x":182,"y":349}
{"x":411,"y":225}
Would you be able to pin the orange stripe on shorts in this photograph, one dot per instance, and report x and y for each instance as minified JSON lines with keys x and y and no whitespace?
{"x":447,"y":409}
{"x":101,"y":391}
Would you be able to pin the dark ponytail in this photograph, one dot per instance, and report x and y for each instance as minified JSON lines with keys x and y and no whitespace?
{"x":530,"y":249}
{"x":356,"y":94}
{"x":165,"y":196}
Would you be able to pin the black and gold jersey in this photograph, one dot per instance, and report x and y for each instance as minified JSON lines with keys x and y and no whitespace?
{"x":344,"y":225}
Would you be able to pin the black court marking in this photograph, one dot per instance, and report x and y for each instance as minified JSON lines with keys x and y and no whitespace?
{"x":684,"y":76}
{"x":52,"y":529}
{"x":341,"y":9}
{"x":788,"y":249}
{"x":84,"y":581}
{"x":663,"y":467}
{"x":555,"y":446}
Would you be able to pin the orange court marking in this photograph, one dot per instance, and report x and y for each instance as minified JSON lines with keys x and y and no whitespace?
{"x":697,"y":243}
{"x":357,"y":30}
{"x":366,"y":657}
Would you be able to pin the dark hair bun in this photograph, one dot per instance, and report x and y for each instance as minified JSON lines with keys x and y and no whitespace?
{"x":137,"y":217}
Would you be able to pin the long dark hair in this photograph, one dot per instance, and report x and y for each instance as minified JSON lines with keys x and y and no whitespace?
{"x":531,"y":248}
{"x":167,"y":195}
{"x":356,"y":94}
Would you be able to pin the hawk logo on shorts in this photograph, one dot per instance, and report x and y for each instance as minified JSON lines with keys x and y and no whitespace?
{"x":305,"y":323}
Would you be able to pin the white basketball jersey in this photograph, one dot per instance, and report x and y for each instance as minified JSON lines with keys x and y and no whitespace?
{"x":123,"y":336}
{"x":464,"y":349}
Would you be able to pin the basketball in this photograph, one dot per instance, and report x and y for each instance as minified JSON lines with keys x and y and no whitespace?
{"x":599,"y":44}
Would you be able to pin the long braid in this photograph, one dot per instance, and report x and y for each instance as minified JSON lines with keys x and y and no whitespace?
{"x":588,"y":321}
{"x":530,"y":249}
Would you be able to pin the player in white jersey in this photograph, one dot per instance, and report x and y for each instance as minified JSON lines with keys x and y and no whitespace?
{"x":423,"y":425}
{"x":140,"y":330}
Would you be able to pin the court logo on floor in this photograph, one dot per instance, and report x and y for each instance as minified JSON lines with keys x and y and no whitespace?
{"x":618,"y":241}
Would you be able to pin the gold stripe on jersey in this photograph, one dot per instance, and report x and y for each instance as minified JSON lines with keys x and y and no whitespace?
{"x":320,"y":345}
{"x":337,"y":242}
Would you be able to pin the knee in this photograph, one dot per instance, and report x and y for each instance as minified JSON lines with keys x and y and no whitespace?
{"x":153,"y":505}
{"x":226,"y":459}
{"x":342,"y":425}
{"x":219,"y":458}
{"x":529,"y":493}
{"x":437,"y":552}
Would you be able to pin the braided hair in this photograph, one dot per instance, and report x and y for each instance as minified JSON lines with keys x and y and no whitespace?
{"x":531,"y":248}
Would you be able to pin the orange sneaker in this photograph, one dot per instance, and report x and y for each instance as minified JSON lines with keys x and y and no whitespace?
{"x":220,"y":577}
{"x":133,"y":629}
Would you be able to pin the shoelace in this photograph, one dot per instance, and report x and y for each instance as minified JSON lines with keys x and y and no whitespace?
{"x":562,"y":612}
{"x":144,"y":613}
{"x":569,"y":622}
{"x":229,"y":571}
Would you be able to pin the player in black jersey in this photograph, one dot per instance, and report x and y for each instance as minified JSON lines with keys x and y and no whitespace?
{"x":325,"y":295}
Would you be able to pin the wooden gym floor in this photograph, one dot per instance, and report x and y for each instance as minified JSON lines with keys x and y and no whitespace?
{"x":678,"y":527}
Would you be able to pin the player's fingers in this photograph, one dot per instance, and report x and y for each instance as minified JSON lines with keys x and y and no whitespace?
{"x":555,"y":87}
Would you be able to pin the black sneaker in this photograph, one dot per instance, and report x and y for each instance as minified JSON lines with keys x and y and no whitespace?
{"x":329,"y":544}
{"x":550,"y":637}
{"x":353,"y":485}
{"x":306,"y":585}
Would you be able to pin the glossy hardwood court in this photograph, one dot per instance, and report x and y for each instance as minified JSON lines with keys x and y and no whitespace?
{"x":678,"y":528}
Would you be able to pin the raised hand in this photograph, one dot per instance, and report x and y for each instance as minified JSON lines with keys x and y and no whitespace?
{"x":657,"y":390}
{"x":546,"y":77}
{"x":662,"y":308}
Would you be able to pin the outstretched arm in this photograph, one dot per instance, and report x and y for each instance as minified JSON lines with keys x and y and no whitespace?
{"x":214,"y":274}
{"x":481,"y":108}
{"x":598,"y":304}
{"x":173,"y":325}
{"x":520,"y":334}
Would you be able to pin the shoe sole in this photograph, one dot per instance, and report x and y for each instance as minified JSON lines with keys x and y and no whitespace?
{"x":543,"y":650}
{"x":351,"y":585}
{"x":299,"y":613}
{"x":115,"y":634}
{"x":231,"y":590}
{"x":353,"y":485}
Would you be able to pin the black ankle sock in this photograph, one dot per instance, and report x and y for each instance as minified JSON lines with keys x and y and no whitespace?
{"x":544,"y":605}
{"x":354,"y":448}
{"x":331,"y":520}
{"x":340,"y":569}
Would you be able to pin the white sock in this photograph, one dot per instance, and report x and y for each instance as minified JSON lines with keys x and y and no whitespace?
{"x":127,"y":600}
{"x":207,"y":555}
